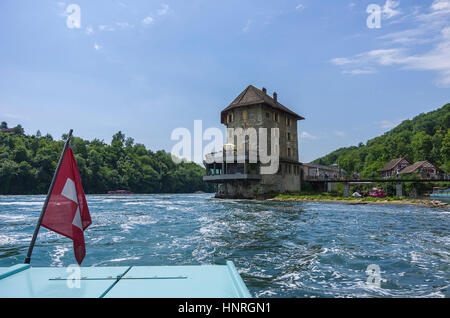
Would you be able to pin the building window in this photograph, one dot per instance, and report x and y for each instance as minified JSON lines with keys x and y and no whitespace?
{"x":289,"y":152}
{"x":276,"y":117}
{"x":230,"y":117}
{"x":288,"y":121}
{"x":267,"y":115}
{"x":288,"y":136}
{"x":289,"y":169}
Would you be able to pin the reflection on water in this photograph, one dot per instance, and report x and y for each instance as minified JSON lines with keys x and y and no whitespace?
{"x":281,"y":249}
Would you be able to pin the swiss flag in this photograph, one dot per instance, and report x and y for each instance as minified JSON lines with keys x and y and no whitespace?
{"x":67,"y":212}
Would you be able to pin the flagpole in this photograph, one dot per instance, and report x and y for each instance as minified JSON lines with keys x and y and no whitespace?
{"x":41,"y":217}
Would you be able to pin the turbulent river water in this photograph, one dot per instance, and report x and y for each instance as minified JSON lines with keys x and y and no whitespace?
{"x":281,"y":249}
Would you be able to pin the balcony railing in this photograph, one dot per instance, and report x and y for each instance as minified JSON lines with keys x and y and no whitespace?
{"x":220,"y":156}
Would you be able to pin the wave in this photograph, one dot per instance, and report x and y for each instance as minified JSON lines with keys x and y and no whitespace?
{"x":23,"y":203}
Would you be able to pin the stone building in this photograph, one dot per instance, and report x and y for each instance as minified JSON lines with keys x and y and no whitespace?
{"x":240,"y":177}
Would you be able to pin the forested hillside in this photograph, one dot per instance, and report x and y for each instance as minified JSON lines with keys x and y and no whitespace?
{"x":426,"y":137}
{"x":27,"y":164}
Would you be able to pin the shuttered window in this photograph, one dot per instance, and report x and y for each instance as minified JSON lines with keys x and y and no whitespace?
{"x":230,"y":117}
{"x":275,"y":117}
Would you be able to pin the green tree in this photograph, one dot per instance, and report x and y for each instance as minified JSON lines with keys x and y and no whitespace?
{"x":445,"y":151}
{"x":424,"y":137}
{"x":19,"y":130}
{"x":27,"y":164}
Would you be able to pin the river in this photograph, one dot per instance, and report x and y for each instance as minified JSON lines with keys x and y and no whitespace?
{"x":281,"y":249}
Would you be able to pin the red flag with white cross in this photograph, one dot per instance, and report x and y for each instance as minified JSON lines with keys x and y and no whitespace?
{"x":67,"y":211}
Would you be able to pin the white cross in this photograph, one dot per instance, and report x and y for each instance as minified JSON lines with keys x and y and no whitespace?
{"x":70,"y":192}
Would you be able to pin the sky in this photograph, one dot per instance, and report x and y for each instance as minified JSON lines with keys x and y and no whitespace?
{"x":148,"y":67}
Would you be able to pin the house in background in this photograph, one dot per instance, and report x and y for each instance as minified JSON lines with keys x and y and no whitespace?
{"x":8,"y":130}
{"x":425,"y":168}
{"x":312,"y":171}
{"x":394,"y":166}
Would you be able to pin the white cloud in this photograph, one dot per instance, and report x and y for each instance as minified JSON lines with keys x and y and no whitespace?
{"x":388,"y":124}
{"x":300,"y":7}
{"x":440,"y":5}
{"x":423,"y":47}
{"x":407,"y":37}
{"x":97,"y":47}
{"x":164,"y":10}
{"x":89,"y":30}
{"x":381,"y":57}
{"x":124,"y":25}
{"x":305,"y":135}
{"x":359,"y":71}
{"x":389,"y":9}
{"x":148,"y":20}
{"x":341,"y":61}
{"x":340,"y":133}
{"x":104,"y":27}
{"x":438,"y":59}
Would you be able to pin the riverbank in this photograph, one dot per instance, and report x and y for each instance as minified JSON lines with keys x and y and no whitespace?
{"x":356,"y":201}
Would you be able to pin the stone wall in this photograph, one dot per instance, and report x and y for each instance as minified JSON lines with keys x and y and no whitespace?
{"x":263,"y":116}
{"x":257,"y":116}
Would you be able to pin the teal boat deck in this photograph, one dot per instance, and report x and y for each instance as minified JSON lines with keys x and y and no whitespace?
{"x":206,"y":281}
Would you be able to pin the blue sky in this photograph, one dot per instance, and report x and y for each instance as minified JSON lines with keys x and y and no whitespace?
{"x":148,"y":67}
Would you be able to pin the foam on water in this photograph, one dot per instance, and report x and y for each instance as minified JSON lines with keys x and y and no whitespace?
{"x":19,"y":203}
{"x":281,"y":249}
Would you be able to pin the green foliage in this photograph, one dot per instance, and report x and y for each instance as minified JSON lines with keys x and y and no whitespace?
{"x":27,"y":164}
{"x":300,"y":196}
{"x":426,"y":137}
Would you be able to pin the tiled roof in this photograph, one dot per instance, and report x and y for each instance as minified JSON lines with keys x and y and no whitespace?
{"x":391,"y":164}
{"x":253,"y":96}
{"x":7,"y":130}
{"x":415,"y":166}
